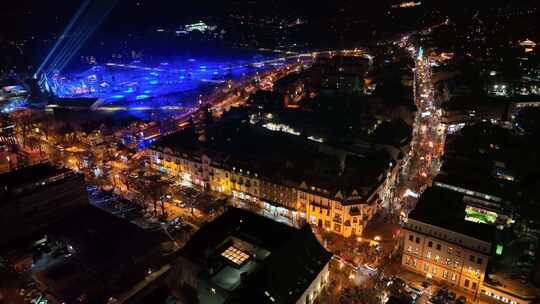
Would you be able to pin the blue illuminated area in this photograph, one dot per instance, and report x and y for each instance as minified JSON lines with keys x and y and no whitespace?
{"x":139,"y":84}
{"x":12,"y":104}
{"x":143,"y":96}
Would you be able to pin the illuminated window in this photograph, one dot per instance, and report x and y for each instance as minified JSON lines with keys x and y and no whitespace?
{"x":235,"y":255}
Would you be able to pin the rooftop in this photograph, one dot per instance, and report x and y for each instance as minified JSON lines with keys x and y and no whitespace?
{"x":29,"y":175}
{"x":276,"y":260}
{"x":504,"y":281}
{"x":259,"y":230}
{"x":82,"y":103}
{"x":446,"y":209}
{"x":285,"y":157}
{"x":110,"y":256}
{"x":471,"y":175}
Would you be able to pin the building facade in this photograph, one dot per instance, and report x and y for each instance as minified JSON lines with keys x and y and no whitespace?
{"x":458,"y":260}
{"x":346,"y":215}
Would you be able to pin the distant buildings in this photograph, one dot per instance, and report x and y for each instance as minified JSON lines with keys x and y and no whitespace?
{"x":245,"y":258}
{"x":7,"y":133}
{"x":341,"y":73}
{"x":292,"y":88}
{"x":35,"y":197}
{"x":198,"y":26}
{"x":408,"y":4}
{"x":466,"y":110}
{"x":8,"y":159}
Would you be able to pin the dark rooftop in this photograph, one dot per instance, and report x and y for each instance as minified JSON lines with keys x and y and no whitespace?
{"x":259,"y":230}
{"x":471,"y":175}
{"x":396,"y":300}
{"x":111,"y":255}
{"x":281,"y":156}
{"x":82,"y":103}
{"x":29,"y":174}
{"x":295,"y":260}
{"x":287,"y":273}
{"x":446,"y":209}
{"x":475,"y":102}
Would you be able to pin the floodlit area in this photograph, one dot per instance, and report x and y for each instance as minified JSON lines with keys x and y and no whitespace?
{"x":176,"y":83}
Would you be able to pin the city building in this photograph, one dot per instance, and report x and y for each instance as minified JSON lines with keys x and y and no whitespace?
{"x":8,"y":157}
{"x":93,"y":256}
{"x":341,"y":73}
{"x":485,"y":188}
{"x":35,"y":197}
{"x":521,"y":103}
{"x":7,"y":133}
{"x":446,"y":241}
{"x":442,"y":245}
{"x":282,"y":174}
{"x":292,"y":88}
{"x":241,"y":257}
{"x":464,"y":110}
{"x":198,"y":26}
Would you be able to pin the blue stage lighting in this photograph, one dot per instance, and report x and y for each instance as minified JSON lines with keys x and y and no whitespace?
{"x":143,"y":96}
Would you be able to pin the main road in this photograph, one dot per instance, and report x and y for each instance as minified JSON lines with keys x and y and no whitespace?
{"x":422,"y":163}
